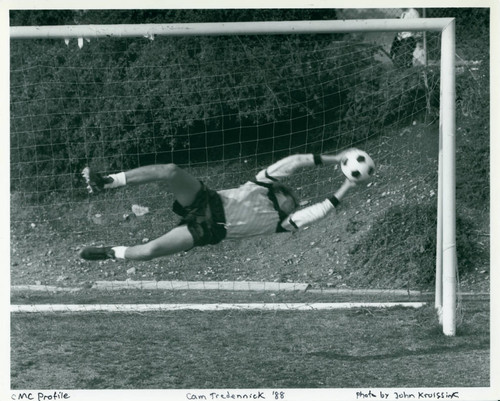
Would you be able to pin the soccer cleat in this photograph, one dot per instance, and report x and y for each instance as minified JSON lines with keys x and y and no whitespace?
{"x":97,"y":253}
{"x":95,"y":181}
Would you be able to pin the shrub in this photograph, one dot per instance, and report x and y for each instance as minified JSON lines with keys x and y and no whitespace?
{"x":117,"y":99}
{"x":409,"y":231}
{"x":387,"y":97}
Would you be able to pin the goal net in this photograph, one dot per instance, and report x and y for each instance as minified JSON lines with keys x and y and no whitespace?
{"x":224,"y":101}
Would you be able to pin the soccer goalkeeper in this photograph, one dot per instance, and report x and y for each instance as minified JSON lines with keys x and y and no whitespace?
{"x":262,"y":206}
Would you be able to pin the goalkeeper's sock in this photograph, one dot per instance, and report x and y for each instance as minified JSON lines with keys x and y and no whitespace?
{"x":119,"y":180}
{"x":119,"y":251}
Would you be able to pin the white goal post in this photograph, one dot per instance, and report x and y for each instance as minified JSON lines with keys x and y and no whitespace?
{"x":446,"y":263}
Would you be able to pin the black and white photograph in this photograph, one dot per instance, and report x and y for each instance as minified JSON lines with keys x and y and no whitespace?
{"x":249,"y":202}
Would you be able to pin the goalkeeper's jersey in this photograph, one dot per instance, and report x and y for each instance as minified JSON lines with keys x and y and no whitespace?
{"x":250,"y":211}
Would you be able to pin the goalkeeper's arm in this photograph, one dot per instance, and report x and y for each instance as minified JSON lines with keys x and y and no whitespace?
{"x":317,"y":211}
{"x":288,"y":165}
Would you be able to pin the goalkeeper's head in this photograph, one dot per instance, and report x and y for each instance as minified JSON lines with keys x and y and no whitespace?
{"x":286,"y":198}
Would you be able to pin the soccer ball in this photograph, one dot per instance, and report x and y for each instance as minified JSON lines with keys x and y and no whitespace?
{"x":357,"y":165}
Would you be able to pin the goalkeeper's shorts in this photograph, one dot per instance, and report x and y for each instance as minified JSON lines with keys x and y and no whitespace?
{"x":204,"y":218}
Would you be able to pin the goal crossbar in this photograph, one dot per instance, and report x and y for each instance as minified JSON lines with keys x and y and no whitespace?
{"x":446,"y":263}
{"x":230,"y":28}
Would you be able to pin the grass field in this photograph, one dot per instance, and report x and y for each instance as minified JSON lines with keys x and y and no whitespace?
{"x":397,"y":347}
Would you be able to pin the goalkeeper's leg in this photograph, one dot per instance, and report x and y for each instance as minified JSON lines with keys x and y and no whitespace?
{"x":180,"y":183}
{"x":177,"y":240}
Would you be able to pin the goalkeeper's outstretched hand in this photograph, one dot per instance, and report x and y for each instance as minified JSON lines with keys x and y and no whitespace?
{"x":348,"y":184}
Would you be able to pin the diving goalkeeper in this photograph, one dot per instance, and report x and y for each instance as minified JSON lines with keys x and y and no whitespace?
{"x":261,"y":206}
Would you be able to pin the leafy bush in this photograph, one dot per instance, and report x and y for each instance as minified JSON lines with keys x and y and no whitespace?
{"x":125,"y":102}
{"x":150,"y":16}
{"x":388,"y":96}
